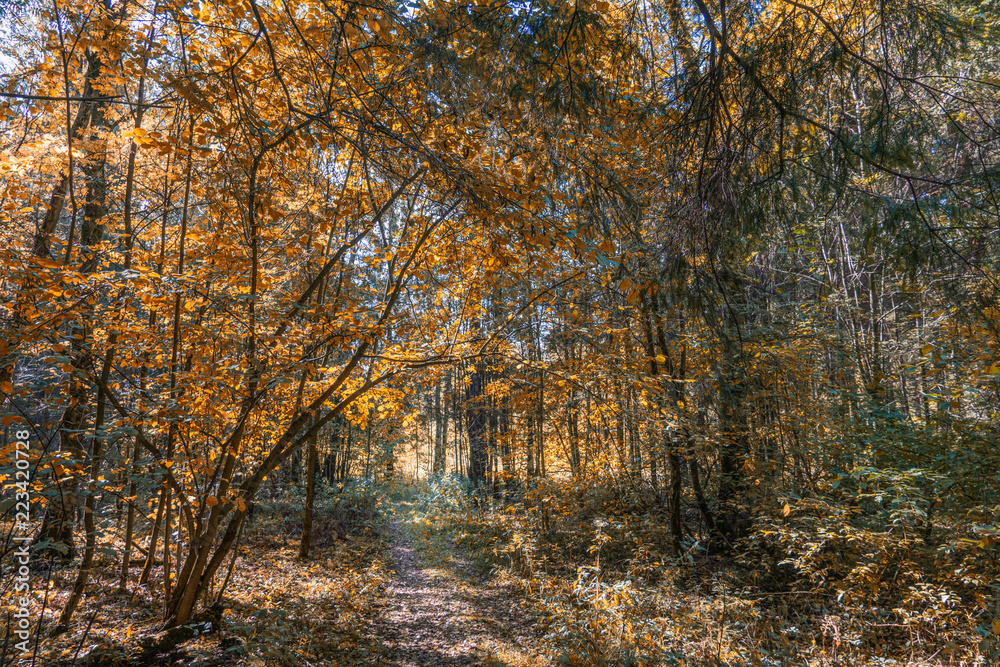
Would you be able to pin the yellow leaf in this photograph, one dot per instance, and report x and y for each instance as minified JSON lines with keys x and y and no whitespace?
{"x":661,"y":359}
{"x":925,"y":350}
{"x":786,"y":511}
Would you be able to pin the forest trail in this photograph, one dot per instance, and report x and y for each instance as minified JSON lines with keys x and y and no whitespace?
{"x":439,"y":611}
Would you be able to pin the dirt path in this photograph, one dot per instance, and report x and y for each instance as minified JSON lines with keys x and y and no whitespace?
{"x":446,"y":614}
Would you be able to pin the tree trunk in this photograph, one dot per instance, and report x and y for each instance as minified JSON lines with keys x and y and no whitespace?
{"x":440,"y":438}
{"x":307,"y":512}
{"x":57,"y":526}
{"x":476,"y":423}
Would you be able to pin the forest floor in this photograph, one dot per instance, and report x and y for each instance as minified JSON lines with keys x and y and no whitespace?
{"x":402,"y":594}
{"x":413,"y":577}
{"x":385,"y":584}
{"x":439,"y":609}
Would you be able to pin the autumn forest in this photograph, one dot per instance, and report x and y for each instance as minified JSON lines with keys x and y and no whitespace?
{"x":472,"y":332}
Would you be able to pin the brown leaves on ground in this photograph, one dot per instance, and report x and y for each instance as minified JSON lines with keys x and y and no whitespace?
{"x":446,"y":614}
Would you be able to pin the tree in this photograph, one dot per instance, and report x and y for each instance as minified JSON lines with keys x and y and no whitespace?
{"x":698,"y":254}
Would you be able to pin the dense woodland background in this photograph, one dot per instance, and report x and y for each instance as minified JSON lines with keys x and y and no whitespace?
{"x":682,"y":316}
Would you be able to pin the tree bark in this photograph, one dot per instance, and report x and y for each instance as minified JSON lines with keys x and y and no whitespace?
{"x":440,"y":424}
{"x":307,"y":512}
{"x":476,"y":423}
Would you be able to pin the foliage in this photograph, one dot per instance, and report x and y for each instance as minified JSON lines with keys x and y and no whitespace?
{"x":685,"y":313}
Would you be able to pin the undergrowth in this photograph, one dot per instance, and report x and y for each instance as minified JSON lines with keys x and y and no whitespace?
{"x":857,"y":576}
{"x":279,"y":610}
{"x":286,"y":611}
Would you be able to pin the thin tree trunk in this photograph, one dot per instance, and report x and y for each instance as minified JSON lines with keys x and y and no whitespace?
{"x":129,"y":520}
{"x":90,"y":509}
{"x":439,"y":436}
{"x":154,"y":538}
{"x":307,"y":513}
{"x":58,"y":522}
{"x":476,"y":423}
{"x":167,"y":579}
{"x":678,"y":374}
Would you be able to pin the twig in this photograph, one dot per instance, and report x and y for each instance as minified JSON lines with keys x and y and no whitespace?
{"x":86,"y":632}
{"x":108,"y":99}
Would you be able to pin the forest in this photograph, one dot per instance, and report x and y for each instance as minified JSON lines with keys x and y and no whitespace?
{"x":504,"y":333}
